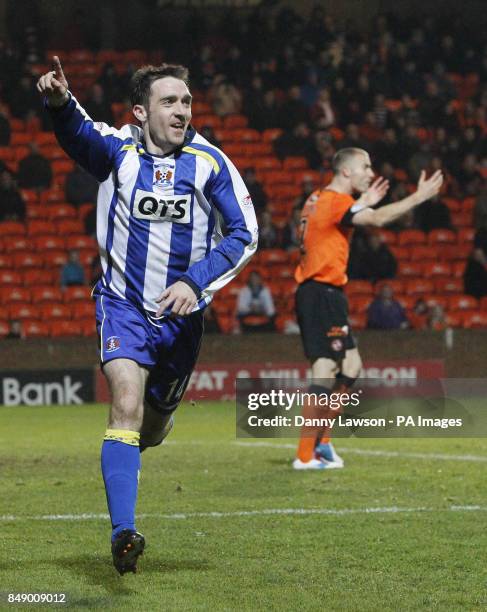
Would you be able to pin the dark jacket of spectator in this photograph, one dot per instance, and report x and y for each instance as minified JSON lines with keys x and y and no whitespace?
{"x":432,"y":215}
{"x":256,"y":191}
{"x":35,"y":170}
{"x":374,"y":261}
{"x":80,"y":187}
{"x":385,"y":312}
{"x":12,"y":205}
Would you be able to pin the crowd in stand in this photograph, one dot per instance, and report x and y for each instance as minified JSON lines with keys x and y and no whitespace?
{"x":412,"y":93}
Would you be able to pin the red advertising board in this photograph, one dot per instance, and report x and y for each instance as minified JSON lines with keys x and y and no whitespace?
{"x":216,"y":381}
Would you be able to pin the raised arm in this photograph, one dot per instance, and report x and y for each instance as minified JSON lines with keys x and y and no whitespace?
{"x":427,"y":189}
{"x":92,"y":145}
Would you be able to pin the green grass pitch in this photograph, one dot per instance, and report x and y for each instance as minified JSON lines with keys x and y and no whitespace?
{"x":230,"y":526}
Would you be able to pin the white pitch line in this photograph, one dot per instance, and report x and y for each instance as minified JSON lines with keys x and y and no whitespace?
{"x":381,"y":453}
{"x":248,"y":513}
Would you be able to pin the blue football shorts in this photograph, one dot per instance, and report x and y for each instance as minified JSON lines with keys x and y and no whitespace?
{"x":167,"y":347}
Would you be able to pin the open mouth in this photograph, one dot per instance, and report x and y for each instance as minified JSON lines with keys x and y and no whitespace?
{"x":177,"y":126}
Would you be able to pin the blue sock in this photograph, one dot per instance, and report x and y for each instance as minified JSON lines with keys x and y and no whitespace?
{"x":120,"y":465}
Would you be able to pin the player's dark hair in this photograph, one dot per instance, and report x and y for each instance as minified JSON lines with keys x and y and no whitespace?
{"x":143,"y":78}
{"x":342,"y":156}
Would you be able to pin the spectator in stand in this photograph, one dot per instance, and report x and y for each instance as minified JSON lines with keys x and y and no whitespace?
{"x":255,"y":306}
{"x":435,"y":216}
{"x":80,"y":187}
{"x":375,"y":261}
{"x":308,"y":187}
{"x":5,"y":131}
{"x":480,"y":210}
{"x":437,"y":319}
{"x":209,"y":133}
{"x":352,"y":138}
{"x":268,"y":232}
{"x":418,"y":318}
{"x":291,"y":232}
{"x":468,"y":176}
{"x":21,"y":97}
{"x":263,"y":113}
{"x":98,"y":106}
{"x":322,"y":111}
{"x":293,"y":110}
{"x":224,"y":97}
{"x":256,"y":191}
{"x":72,"y":273}
{"x":111,"y":84}
{"x":12,"y":205}
{"x":475,"y":275}
{"x":298,"y":143}
{"x":15,"y":330}
{"x":35,"y":170}
{"x":385,"y":312}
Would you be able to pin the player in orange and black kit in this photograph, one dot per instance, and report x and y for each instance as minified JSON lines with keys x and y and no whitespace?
{"x":327,"y":221}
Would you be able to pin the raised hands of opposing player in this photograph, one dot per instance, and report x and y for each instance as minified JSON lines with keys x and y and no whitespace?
{"x":54,"y":85}
{"x":429,"y":188}
{"x":375,"y":192}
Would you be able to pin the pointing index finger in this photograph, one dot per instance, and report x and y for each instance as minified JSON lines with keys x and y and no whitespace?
{"x":57,"y":66}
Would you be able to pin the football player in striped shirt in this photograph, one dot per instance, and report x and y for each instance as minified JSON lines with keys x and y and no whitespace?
{"x":175,"y":223}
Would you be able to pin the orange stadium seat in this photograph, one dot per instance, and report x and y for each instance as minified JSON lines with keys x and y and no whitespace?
{"x":437,"y":268}
{"x":359,"y":303}
{"x":62,"y":328}
{"x":11,"y":244}
{"x":359,"y":287}
{"x":235,"y":121}
{"x":6,"y":261}
{"x":295,"y":163}
{"x":69,"y":226}
{"x":62,"y":166}
{"x":462,"y":219}
{"x":442,"y":236}
{"x":448,"y":285}
{"x":408,"y":237}
{"x":437,"y":300}
{"x":387,"y":236}
{"x":87,"y":326}
{"x":54,"y":310}
{"x":453,"y":204}
{"x":418,"y":286}
{"x":474,"y":319}
{"x":43,"y":138}
{"x":466,"y":234}
{"x":39,"y":227}
{"x":20,"y":151}
{"x":23,"y":310}
{"x":14,"y":294}
{"x":400,"y":252}
{"x":37,"y":277}
{"x":30,"y":196}
{"x":468,"y":203}
{"x":246,"y":135}
{"x":462,"y":302}
{"x":12,"y":228}
{"x":77,"y":293}
{"x":458,"y":268}
{"x":82,"y":241}
{"x":61,"y":211}
{"x":406,"y":268}
{"x":406,"y":301}
{"x":84,"y":210}
{"x":7,"y":154}
{"x":266,"y":163}
{"x":35,"y":212}
{"x":278,"y":177}
{"x":454,"y":319}
{"x":10,"y":277}
{"x":46,"y":293}
{"x":20,"y":138}
{"x":421,"y":252}
{"x":35,"y":329}
{"x":451,"y":252}
{"x":272,"y":256}
{"x":271,"y":134}
{"x":50,"y":242}
{"x":27,"y":259}
{"x":209,"y":120}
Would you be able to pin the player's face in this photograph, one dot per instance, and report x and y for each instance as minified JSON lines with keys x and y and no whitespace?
{"x":361,"y":173}
{"x":169,"y":113}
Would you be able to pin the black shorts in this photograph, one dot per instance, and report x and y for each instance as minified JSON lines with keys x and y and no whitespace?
{"x":322,"y":312}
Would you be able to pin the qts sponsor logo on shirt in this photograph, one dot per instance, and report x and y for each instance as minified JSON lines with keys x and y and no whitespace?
{"x":170,"y":207}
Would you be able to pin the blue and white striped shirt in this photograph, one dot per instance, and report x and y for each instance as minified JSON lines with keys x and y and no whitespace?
{"x":161,"y":219}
